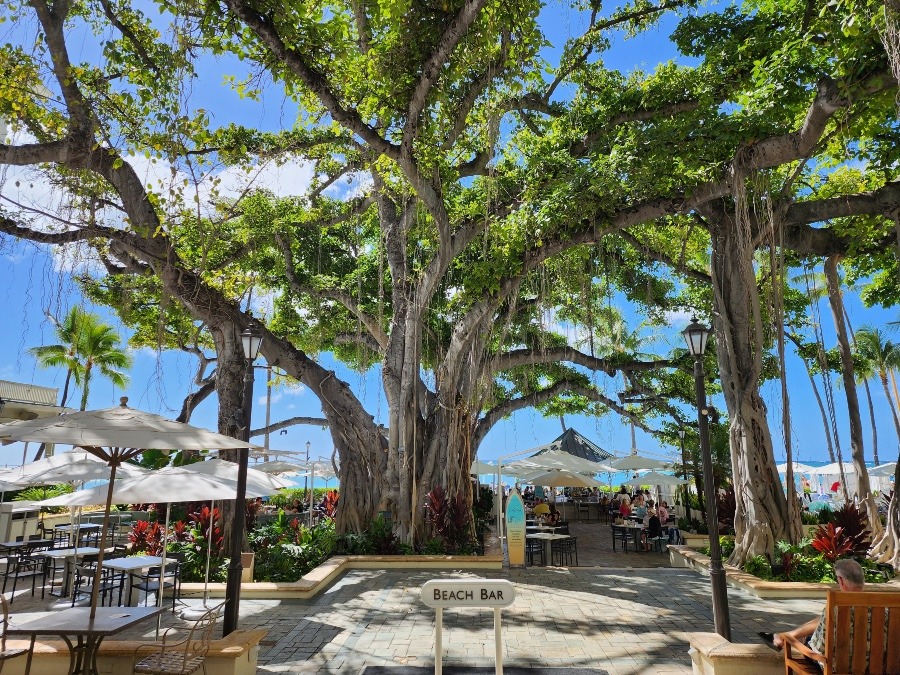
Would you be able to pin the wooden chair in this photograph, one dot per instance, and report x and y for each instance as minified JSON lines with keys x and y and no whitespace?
{"x":182,"y":657}
{"x":850,"y":617}
{"x":6,"y":654}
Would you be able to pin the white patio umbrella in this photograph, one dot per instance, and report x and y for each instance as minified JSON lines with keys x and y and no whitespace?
{"x":480,"y":468}
{"x":557,"y":459}
{"x":635,"y":462}
{"x":654,"y":478}
{"x":262,"y":483}
{"x":562,"y":478}
{"x":115,"y":435}
{"x":279,"y":468}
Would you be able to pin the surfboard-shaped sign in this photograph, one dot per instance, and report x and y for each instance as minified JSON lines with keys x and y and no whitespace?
{"x":515,"y":529}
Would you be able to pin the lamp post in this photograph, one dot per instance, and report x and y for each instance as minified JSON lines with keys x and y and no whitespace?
{"x":684,"y":470}
{"x":306,"y":477}
{"x":251,"y":339}
{"x":696,"y":336}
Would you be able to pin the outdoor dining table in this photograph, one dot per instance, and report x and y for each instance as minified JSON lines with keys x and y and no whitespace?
{"x":13,"y":546}
{"x":548,"y":538}
{"x":83,"y":527}
{"x":130,"y":565}
{"x":633,"y":529}
{"x":68,"y":554}
{"x":88,"y":633}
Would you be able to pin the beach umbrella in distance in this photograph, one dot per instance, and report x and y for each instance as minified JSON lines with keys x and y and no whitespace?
{"x":557,"y":459}
{"x":832,"y":469}
{"x":654,"y":478}
{"x":279,"y":468}
{"x":115,"y":435}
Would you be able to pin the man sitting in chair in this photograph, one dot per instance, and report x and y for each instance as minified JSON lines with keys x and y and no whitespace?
{"x":850,"y":577}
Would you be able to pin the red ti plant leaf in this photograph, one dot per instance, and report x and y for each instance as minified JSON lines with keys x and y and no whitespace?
{"x":832,"y":543}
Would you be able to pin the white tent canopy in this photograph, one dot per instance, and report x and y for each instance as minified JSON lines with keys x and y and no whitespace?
{"x":832,"y":469}
{"x":67,"y":467}
{"x":480,"y":468}
{"x":635,"y":462}
{"x":279,"y":468}
{"x":883,"y":470}
{"x":797,"y":467}
{"x":654,"y":478}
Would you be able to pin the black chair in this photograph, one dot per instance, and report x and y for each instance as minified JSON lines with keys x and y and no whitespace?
{"x":21,"y":565}
{"x":6,"y":654}
{"x":84,"y":584}
{"x":171,"y":578}
{"x":623,"y":535}
{"x":534,"y":547}
{"x":564,"y":551}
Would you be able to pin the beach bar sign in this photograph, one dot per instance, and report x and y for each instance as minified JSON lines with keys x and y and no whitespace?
{"x":444,"y":593}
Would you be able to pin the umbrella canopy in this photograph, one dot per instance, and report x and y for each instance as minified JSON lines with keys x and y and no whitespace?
{"x":221,"y":468}
{"x":832,"y":469}
{"x":81,"y":469}
{"x":171,"y":485}
{"x":557,"y":459}
{"x":115,"y":435}
{"x":563,"y":478}
{"x":654,"y":478}
{"x":480,"y":468}
{"x":279,"y":468}
{"x":883,"y":470}
{"x":575,"y":444}
{"x":798,"y":468}
{"x":119,"y":427}
{"x":635,"y":462}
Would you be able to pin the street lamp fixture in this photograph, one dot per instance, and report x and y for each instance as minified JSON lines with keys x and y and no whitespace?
{"x":696,"y":335}
{"x":251,"y":340}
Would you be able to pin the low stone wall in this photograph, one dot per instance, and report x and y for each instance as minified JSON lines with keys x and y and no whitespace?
{"x":236,"y":654}
{"x":684,"y":556}
{"x":711,"y":654}
{"x":324,"y":575}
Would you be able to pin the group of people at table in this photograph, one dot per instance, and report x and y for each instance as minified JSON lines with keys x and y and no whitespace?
{"x":652,"y":518}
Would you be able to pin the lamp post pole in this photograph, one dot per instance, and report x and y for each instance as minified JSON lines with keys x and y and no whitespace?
{"x":687,"y":489}
{"x":251,"y":340}
{"x":306,"y":477}
{"x":696,"y":335}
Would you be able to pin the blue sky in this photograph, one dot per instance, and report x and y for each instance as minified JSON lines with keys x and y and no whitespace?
{"x":35,"y":282}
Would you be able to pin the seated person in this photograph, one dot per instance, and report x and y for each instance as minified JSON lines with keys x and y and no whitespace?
{"x":639,"y":510}
{"x":553,"y":516}
{"x":541,"y":509}
{"x":652,"y":530}
{"x":625,"y":507}
{"x":850,"y":577}
{"x":663,"y":512}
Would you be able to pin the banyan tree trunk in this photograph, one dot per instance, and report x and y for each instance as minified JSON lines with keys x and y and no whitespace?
{"x":886,"y":548}
{"x":761,"y":517}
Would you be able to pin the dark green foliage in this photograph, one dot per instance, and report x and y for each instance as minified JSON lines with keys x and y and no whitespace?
{"x":758,"y":566}
{"x":825,"y":515}
{"x":684,"y":524}
{"x":808,"y":518}
{"x":853,"y":523}
{"x":379,"y":539}
{"x":286,"y":550}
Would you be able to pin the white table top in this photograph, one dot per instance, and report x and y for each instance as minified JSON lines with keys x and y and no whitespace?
{"x":547,"y":535}
{"x":132,"y":563}
{"x":70,"y":552}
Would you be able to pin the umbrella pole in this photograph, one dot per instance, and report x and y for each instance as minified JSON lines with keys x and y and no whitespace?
{"x":162,"y":568}
{"x":113,"y":464}
{"x":209,"y":538}
{"x":312,"y":481}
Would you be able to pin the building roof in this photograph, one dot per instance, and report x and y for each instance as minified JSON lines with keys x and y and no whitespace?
{"x":575,"y":444}
{"x":27,"y":401}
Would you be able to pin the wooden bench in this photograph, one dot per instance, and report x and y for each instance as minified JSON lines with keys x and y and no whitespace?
{"x":849,"y":651}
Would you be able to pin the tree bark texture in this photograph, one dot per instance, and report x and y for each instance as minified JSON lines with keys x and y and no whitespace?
{"x":761,"y":517}
{"x":864,"y":491}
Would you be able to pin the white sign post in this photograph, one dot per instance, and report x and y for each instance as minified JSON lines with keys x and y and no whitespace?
{"x":440,"y":593}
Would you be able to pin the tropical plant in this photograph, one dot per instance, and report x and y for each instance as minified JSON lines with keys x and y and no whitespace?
{"x":286,"y":550}
{"x":832,"y":542}
{"x":146,"y":537}
{"x":881,"y":357}
{"x":450,"y":518}
{"x":86,"y":343}
{"x":853,"y":523}
{"x":330,"y":503}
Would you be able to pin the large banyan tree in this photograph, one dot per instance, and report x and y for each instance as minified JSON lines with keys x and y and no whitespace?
{"x":469,"y":201}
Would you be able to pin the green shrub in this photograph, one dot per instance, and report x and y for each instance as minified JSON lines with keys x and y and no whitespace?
{"x":808,"y":518}
{"x":727,"y":545}
{"x":434,"y":546}
{"x":811,"y":568}
{"x":684,"y":524}
{"x":826,"y":515}
{"x":758,"y":566}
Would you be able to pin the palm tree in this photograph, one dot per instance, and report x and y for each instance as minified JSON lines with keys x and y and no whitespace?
{"x":63,"y":354}
{"x":883,"y":356}
{"x":87,"y":343}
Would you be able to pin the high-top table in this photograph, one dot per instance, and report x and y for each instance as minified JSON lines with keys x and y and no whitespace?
{"x":68,"y":555}
{"x":130,"y":565}
{"x":75,"y":622}
{"x":548,"y":538}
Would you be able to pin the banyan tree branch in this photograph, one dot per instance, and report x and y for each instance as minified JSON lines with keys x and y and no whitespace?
{"x":291,"y":421}
{"x":525,"y":357}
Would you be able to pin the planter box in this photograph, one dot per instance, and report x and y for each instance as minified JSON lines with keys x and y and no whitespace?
{"x":711,"y":654}
{"x":695,"y":540}
{"x":683,"y":556}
